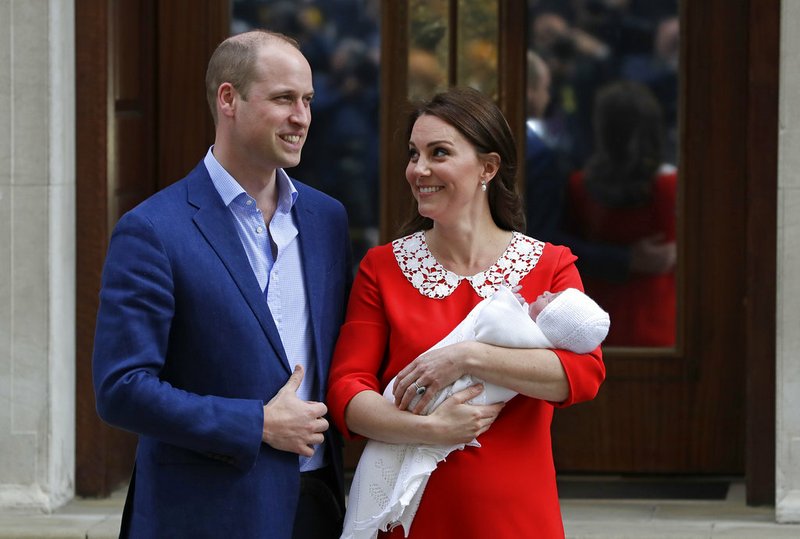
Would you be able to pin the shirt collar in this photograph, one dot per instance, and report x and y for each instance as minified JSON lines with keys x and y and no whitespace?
{"x":229,"y":189}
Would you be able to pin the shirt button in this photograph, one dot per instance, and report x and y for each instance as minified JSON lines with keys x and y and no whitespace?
{"x":259,"y":229}
{"x":249,"y":202}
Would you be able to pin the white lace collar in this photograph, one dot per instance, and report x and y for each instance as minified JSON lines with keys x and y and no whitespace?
{"x":433,"y":280}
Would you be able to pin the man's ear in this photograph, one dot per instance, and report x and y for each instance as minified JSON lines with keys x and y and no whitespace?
{"x":227,"y":99}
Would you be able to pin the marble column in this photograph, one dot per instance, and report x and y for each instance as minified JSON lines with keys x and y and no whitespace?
{"x":37,"y":253}
{"x":787,"y":496}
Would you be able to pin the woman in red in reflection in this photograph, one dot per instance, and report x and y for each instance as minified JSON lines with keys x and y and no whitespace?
{"x":626,"y":196}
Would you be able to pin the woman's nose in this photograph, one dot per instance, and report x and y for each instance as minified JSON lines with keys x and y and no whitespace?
{"x":421,"y":167}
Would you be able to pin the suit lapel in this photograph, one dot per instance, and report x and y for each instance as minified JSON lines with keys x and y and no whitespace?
{"x":310,"y":230}
{"x":216,"y":225}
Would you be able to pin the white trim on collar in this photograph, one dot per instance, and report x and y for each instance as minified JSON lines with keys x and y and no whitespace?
{"x":435,"y":281}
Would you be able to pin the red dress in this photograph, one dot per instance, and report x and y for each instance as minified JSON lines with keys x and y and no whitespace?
{"x":402,"y":303}
{"x":643,"y":307}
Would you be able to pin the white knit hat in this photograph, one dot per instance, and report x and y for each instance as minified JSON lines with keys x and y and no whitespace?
{"x":588,"y":324}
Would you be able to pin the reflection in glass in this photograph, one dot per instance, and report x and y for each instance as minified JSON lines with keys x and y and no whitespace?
{"x":477,"y":45}
{"x":428,"y":51}
{"x":601,"y":153}
{"x":340,"y":39}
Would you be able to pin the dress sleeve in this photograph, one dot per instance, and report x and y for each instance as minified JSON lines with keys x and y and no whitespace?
{"x":585,"y":372}
{"x":361,"y":348}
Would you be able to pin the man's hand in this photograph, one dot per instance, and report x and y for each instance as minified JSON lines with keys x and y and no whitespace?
{"x":652,"y":255}
{"x":291,"y":424}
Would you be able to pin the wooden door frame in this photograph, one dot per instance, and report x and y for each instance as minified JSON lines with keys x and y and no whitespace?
{"x":763,"y":73}
{"x":751,"y":97}
{"x":142,"y":123}
{"x":103,"y":454}
{"x":395,"y":200}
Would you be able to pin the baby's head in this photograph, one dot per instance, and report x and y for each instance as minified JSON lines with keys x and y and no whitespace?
{"x":570,"y":320}
{"x":541,"y":302}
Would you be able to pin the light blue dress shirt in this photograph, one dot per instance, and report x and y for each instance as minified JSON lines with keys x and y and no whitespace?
{"x":274,"y":254}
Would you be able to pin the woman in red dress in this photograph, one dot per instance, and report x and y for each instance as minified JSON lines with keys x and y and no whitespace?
{"x":627,"y":197}
{"x":462,"y":245}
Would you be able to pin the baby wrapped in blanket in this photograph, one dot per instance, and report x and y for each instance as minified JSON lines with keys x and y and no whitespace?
{"x":391,"y":478}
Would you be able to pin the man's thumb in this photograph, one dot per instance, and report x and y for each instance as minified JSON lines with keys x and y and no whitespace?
{"x":294,"y":380}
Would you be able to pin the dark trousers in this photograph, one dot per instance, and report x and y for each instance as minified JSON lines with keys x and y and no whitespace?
{"x":319,"y":513}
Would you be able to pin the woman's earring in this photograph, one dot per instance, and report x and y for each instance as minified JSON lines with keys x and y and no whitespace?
{"x":483,"y":185}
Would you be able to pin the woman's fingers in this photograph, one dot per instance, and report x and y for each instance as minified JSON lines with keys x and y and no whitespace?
{"x":466,"y":395}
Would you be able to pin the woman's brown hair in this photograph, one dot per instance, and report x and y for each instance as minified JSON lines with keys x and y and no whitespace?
{"x":629,"y":140}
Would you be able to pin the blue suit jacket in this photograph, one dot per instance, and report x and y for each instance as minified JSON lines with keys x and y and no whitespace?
{"x":187,"y":354}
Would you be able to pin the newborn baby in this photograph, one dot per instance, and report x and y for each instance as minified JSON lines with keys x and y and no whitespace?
{"x":390,"y":478}
{"x":567,"y":320}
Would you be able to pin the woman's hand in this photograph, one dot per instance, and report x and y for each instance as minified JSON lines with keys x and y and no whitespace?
{"x":432,"y":370}
{"x":456,"y":422}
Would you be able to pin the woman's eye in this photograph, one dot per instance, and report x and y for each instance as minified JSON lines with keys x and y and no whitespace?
{"x":439,"y":152}
{"x":412,"y":154}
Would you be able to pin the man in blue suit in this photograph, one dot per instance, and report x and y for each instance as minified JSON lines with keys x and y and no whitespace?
{"x":221,"y":301}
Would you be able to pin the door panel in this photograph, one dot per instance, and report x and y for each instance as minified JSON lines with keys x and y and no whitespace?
{"x":684,"y":411}
{"x":188,"y":33}
{"x":762,"y":199}
{"x":115,"y":170}
{"x":140,"y":126}
{"x":678,"y":410}
{"x":687,"y":411}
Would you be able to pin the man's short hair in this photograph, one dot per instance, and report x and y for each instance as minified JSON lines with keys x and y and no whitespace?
{"x":235,"y":60}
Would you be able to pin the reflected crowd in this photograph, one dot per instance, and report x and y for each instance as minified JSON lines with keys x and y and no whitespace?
{"x":576,"y":51}
{"x":341,"y":40}
{"x":601,"y":153}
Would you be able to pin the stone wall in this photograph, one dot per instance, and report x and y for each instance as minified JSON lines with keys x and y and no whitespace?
{"x":787,"y":496}
{"x":37,"y":253}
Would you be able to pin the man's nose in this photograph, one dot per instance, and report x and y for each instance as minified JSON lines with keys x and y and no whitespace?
{"x":301,"y":113}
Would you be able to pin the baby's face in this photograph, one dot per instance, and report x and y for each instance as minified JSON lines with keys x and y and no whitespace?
{"x":541,"y":302}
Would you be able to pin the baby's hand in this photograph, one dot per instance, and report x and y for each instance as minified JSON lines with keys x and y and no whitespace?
{"x":541,"y":302}
{"x":519,"y":297}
